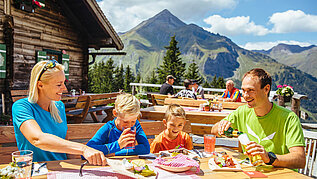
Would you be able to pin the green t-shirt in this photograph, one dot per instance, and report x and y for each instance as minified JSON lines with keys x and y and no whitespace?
{"x":277,"y":131}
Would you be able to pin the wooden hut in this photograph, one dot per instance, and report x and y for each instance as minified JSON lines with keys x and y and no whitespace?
{"x":33,"y":30}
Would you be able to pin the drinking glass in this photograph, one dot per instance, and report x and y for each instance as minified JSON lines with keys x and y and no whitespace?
{"x":23,"y":159}
{"x":132,"y":145}
{"x":256,"y":160}
{"x":209,"y":143}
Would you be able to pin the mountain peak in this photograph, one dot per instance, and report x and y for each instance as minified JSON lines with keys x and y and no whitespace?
{"x":164,"y":19}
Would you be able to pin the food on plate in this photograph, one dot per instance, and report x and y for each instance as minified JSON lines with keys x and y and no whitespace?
{"x":138,"y":167}
{"x":175,"y":152}
{"x":224,"y":161}
{"x":11,"y":171}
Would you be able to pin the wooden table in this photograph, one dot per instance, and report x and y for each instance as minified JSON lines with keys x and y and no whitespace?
{"x":196,"y":103}
{"x":192,"y":114}
{"x":279,"y":173}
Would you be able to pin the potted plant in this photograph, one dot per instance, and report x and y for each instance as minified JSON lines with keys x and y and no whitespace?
{"x":286,"y":91}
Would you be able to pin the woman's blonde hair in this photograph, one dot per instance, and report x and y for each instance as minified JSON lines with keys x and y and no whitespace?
{"x":46,"y":76}
{"x":127,"y":104}
{"x":176,"y":111}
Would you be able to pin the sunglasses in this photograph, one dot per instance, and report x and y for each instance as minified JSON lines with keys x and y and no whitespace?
{"x":49,"y":65}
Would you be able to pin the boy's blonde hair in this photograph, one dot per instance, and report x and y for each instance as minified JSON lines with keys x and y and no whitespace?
{"x":127,"y":104}
{"x":176,"y":111}
{"x":45,"y":78}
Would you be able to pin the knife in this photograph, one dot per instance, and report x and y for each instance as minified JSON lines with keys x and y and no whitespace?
{"x":197,"y":152}
{"x":32,"y":168}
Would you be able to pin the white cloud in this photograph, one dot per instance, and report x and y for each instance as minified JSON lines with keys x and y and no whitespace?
{"x":234,"y":26}
{"x":269,"y":45}
{"x":126,"y":14}
{"x":293,"y":21}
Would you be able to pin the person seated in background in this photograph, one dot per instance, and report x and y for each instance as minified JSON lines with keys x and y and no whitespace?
{"x":197,"y":89}
{"x":115,"y":135}
{"x":173,"y":136}
{"x":187,"y":92}
{"x":40,"y":121}
{"x":231,"y":94}
{"x":167,"y":88}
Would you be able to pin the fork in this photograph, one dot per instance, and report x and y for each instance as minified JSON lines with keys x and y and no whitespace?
{"x":38,"y":169}
{"x":81,"y":168}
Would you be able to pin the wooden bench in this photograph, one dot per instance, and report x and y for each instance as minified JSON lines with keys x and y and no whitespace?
{"x":99,"y":102}
{"x":78,"y":113}
{"x":76,"y":132}
{"x":157,"y":99}
{"x":19,"y":94}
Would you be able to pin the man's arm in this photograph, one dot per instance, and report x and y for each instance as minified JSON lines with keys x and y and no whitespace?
{"x":295,"y":159}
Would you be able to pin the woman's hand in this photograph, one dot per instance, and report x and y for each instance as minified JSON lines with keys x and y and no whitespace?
{"x":94,"y":157}
{"x":126,"y":138}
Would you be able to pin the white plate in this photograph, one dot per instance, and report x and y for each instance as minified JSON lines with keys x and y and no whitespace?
{"x":175,"y":169}
{"x":213,"y":166}
{"x":118,"y":167}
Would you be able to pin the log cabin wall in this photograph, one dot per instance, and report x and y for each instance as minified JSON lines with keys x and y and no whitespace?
{"x":46,"y":28}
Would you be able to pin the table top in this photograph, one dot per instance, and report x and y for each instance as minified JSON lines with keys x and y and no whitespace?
{"x":204,"y":173}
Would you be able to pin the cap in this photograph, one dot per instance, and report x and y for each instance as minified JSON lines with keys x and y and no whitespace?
{"x":170,"y":77}
{"x":194,"y":81}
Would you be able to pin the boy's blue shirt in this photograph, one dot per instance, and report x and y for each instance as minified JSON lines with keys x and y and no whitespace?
{"x":106,"y":140}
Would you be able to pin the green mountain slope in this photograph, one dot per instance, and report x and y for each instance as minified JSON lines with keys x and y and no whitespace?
{"x":214,"y":54}
{"x":303,"y":58}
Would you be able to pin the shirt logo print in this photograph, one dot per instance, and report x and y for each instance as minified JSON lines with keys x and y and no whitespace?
{"x":251,"y":132}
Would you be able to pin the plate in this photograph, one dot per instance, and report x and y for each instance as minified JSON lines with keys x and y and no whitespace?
{"x":174,"y":169}
{"x":213,"y":166}
{"x":118,"y":167}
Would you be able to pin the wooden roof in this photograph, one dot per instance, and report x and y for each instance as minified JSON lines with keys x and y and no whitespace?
{"x":92,"y":24}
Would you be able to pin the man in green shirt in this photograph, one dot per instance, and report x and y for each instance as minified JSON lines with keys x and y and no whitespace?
{"x":275,"y":132}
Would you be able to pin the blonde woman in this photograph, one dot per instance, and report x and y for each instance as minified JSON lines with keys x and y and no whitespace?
{"x":40,"y":121}
{"x":115,"y":136}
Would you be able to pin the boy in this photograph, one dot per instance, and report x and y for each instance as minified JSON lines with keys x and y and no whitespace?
{"x":172,"y":136}
{"x":114,"y":136}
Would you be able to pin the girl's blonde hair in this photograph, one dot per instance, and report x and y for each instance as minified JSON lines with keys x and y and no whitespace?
{"x":174,"y":110}
{"x":127,"y":104}
{"x":45,"y":78}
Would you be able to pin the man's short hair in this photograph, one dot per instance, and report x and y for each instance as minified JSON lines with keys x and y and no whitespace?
{"x":264,"y":77}
{"x":187,"y":83}
{"x":170,"y":77}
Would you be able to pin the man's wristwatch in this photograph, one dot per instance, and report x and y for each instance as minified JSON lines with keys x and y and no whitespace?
{"x":272,"y":158}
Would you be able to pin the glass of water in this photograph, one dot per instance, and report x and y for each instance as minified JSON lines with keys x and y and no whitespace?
{"x":23,"y":160}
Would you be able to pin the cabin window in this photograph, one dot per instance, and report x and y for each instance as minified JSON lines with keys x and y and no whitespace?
{"x":53,"y":55}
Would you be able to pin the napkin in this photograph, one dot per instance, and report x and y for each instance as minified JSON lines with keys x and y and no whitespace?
{"x":179,"y":160}
{"x":43,"y":170}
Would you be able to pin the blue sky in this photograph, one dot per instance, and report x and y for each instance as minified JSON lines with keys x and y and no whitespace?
{"x":252,"y":24}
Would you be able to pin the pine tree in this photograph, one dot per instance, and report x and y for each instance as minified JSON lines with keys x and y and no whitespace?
{"x":129,"y":78}
{"x":108,"y":74}
{"x":213,"y":83}
{"x":152,"y":79}
{"x":193,"y":73}
{"x":221,"y":83}
{"x":119,"y":78}
{"x":206,"y":85}
{"x":172,"y":63}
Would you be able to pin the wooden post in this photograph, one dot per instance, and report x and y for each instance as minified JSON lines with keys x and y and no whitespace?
{"x":281,"y":101}
{"x":296,"y":106}
{"x":133,"y":90}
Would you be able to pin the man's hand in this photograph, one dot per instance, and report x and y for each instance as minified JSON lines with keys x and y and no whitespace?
{"x":94,"y":157}
{"x":256,"y":149}
{"x":222,"y":126}
{"x":126,"y":138}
